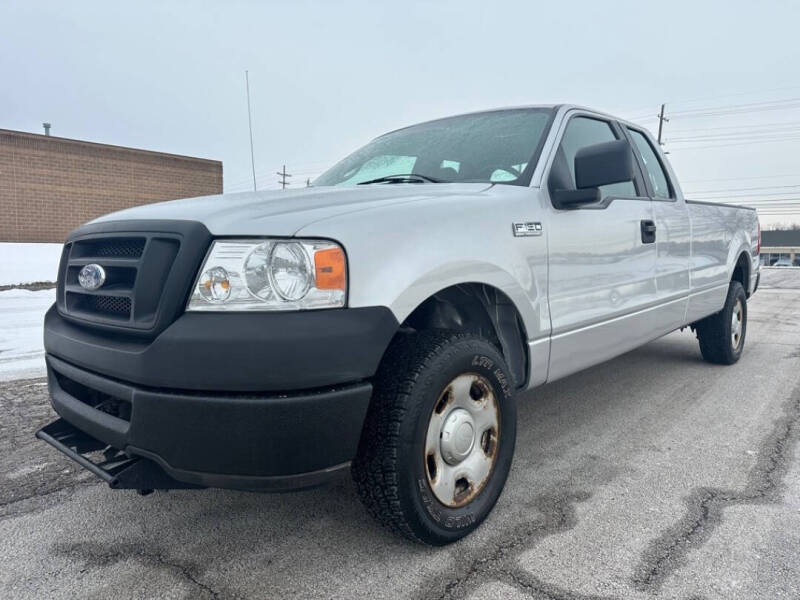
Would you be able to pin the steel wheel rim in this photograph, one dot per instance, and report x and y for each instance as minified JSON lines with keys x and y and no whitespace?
{"x":737,"y":324}
{"x":462,"y":440}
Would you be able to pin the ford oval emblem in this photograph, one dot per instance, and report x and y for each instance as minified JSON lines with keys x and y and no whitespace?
{"x":92,"y":277}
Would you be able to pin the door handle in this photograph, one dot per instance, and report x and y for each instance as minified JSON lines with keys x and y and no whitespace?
{"x":648,"y":231}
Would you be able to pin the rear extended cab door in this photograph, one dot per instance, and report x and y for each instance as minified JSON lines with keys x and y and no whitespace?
{"x":673,"y":230}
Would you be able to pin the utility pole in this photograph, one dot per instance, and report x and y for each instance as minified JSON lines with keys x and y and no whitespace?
{"x":283,"y":175}
{"x":250,"y":124}
{"x":661,"y":120}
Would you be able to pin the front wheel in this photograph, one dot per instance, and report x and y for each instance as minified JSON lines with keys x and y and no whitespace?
{"x":439,"y":436}
{"x":721,"y":335}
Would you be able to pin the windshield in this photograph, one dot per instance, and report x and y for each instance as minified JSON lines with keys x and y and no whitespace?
{"x":492,"y":147}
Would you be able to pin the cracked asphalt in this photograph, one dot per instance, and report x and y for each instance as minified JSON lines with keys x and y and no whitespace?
{"x":654,"y":475}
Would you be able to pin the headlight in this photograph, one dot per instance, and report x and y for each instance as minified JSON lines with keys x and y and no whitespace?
{"x":290,"y":271}
{"x":271,"y":275}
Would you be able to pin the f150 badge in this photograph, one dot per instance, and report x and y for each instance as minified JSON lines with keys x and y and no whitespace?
{"x":527,"y":229}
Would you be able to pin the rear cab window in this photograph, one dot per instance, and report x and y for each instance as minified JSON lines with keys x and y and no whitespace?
{"x":652,"y":165}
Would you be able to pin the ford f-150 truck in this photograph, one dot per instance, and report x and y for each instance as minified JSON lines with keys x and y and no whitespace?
{"x":383,"y":320}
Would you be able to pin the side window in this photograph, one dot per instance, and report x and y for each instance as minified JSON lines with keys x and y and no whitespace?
{"x":655,"y":171}
{"x":582,"y":132}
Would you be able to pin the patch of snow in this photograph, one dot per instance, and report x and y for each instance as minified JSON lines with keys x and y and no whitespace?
{"x":21,"y":329}
{"x":28,"y":263}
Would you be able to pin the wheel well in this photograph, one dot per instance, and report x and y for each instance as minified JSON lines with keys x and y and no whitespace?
{"x":477,"y":308}
{"x":741,"y":272}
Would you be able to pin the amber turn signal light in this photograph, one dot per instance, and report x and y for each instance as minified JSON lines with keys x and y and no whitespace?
{"x":331,"y":269}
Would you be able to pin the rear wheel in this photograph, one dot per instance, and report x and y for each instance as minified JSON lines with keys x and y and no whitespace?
{"x":721,"y":335}
{"x":439,"y":436}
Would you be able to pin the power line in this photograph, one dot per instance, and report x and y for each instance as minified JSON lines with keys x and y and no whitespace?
{"x":738,"y":126}
{"x":776,"y":207}
{"x":722,"y":111}
{"x":750,"y":189}
{"x":737,"y":132}
{"x":734,"y":112}
{"x":638,"y":113}
{"x":687,"y":143}
{"x":745,"y":135}
{"x":772,"y":210}
{"x":790,"y":203}
{"x":747,"y":178}
{"x":748,"y":143}
{"x":764,"y":203}
{"x":735,"y":94}
{"x":748,"y":106}
{"x":792,"y":196}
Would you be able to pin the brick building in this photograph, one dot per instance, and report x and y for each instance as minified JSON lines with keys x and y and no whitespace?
{"x":50,"y":185}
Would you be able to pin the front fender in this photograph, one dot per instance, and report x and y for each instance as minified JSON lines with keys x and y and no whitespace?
{"x":444,"y":276}
{"x":400,"y":255}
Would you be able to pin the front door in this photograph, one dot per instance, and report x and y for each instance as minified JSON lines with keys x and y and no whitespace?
{"x":602,"y":265}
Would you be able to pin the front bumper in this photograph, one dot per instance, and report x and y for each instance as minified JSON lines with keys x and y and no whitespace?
{"x":209,"y":414}
{"x":234,"y":352}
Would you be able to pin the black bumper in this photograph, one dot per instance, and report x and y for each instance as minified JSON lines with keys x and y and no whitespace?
{"x":263,"y":402}
{"x":234,"y":352}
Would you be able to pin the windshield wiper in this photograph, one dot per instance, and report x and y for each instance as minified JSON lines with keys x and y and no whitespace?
{"x":403,"y":178}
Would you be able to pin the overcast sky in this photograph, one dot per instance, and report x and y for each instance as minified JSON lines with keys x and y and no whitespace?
{"x":326,"y":77}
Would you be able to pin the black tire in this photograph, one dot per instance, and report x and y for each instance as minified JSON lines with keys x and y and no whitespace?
{"x":715,"y":333}
{"x":390,"y":468}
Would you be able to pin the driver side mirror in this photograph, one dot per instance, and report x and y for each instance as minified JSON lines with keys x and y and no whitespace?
{"x":603,"y":164}
{"x":596,"y":166}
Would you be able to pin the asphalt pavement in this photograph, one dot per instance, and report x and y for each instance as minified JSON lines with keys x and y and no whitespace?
{"x":655,"y":475}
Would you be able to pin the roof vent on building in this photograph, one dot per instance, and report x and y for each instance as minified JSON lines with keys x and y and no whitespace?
{"x":46,"y":128}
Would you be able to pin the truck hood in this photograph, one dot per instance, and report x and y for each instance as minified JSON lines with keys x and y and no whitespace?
{"x":284,"y":212}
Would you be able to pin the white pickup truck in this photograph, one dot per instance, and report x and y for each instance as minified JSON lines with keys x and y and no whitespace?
{"x":384,"y":320}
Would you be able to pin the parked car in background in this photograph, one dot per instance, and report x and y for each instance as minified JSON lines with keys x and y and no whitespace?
{"x":384,"y":320}
{"x":783,"y":262}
